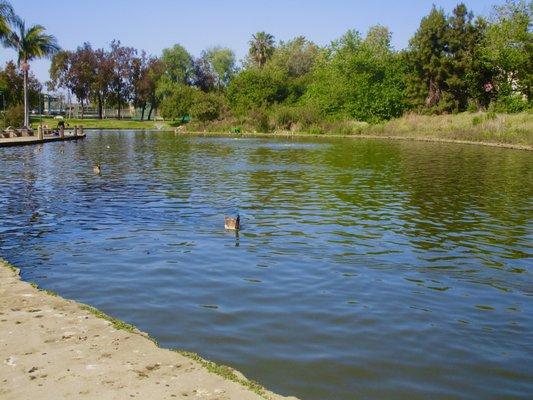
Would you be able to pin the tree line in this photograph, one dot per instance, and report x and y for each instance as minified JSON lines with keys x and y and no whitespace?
{"x":454,"y":62}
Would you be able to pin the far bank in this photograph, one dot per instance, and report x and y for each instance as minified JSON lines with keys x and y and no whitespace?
{"x":505,"y":130}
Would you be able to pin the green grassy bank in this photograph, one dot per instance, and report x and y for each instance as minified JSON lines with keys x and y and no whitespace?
{"x":512,"y":129}
{"x":93,"y":123}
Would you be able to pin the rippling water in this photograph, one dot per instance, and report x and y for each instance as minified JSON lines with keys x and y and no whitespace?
{"x":365,"y":269}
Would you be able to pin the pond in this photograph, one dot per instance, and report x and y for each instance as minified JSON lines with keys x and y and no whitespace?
{"x":364,"y":269}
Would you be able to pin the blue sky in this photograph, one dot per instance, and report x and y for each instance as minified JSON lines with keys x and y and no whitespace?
{"x":197,"y":24}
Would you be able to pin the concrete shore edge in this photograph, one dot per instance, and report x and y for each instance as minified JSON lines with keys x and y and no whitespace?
{"x":53,"y":348}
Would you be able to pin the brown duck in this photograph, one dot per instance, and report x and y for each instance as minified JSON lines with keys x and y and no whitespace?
{"x":233,"y":224}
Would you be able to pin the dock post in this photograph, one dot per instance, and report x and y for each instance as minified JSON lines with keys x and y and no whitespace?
{"x":62,"y":132}
{"x":75,"y":132}
{"x":80,"y":133}
{"x":40,"y":134}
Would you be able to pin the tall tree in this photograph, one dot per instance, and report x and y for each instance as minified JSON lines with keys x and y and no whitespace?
{"x":30,"y":43}
{"x":362,"y":80}
{"x":178,"y":64}
{"x":76,"y":71}
{"x":156,"y":69}
{"x":102,"y":79}
{"x":82,"y":73}
{"x":463,"y":38}
{"x":427,"y":55}
{"x":222,"y":60}
{"x":261,"y":48}
{"x":145,"y":73}
{"x":121,"y":82}
{"x":205,"y":77}
{"x":12,"y":86}
{"x":508,"y":45}
{"x":298,"y":56}
{"x":379,"y":38}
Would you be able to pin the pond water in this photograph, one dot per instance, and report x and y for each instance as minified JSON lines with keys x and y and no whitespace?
{"x":365,"y":269}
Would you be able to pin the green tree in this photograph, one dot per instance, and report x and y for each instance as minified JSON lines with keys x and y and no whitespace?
{"x":178,"y":64}
{"x":206,"y":106}
{"x":222,"y":60}
{"x":12,"y":86}
{"x":363,"y":80}
{"x":261,"y":48}
{"x":121,"y":84}
{"x":177,"y":101}
{"x":298,"y":55}
{"x":508,"y":46}
{"x":463,"y":40}
{"x":379,"y":38}
{"x":256,"y":88}
{"x":30,"y":43}
{"x":427,"y":59}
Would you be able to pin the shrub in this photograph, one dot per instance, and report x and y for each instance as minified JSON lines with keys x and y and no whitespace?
{"x":14,"y":116}
{"x":254,"y":88}
{"x":178,"y":101}
{"x":258,"y":119}
{"x":510,"y":104}
{"x":477,"y":120}
{"x":316,"y":130}
{"x":206,"y":106}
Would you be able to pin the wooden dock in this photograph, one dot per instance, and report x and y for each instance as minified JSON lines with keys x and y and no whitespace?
{"x":29,"y":140}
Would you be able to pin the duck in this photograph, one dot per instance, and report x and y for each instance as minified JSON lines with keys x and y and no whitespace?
{"x":97,"y":169}
{"x":233,"y":224}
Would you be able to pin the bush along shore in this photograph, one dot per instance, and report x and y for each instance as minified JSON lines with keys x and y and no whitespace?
{"x":52,"y":345}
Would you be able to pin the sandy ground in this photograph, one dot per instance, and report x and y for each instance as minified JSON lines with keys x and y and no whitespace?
{"x":50,"y":348}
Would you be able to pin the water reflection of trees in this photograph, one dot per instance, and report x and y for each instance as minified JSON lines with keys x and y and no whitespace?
{"x":455,"y":191}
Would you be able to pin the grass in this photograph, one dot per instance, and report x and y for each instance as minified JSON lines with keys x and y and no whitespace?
{"x":117,"y":323}
{"x":226,"y":372}
{"x":9,"y":266}
{"x":92,"y":123}
{"x":509,"y":129}
{"x":476,"y":127}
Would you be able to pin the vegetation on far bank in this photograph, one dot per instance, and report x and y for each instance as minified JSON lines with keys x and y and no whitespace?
{"x":484,"y":127}
{"x":455,"y":62}
{"x":516,"y":129}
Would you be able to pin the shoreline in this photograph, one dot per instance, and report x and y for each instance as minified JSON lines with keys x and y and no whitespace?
{"x":363,"y":136}
{"x":427,"y":139}
{"x":51,"y":347}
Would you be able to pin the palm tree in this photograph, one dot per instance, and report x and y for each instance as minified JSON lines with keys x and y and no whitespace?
{"x":261,"y":48}
{"x":6,"y":14}
{"x":30,"y":43}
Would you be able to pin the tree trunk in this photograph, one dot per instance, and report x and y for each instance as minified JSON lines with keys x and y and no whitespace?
{"x":26,"y":103}
{"x":150,"y":112}
{"x":100,"y":114}
{"x":82,"y":109}
{"x":142,"y":111}
{"x":433,"y":94}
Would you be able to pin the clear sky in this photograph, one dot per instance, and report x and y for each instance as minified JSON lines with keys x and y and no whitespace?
{"x":197,"y":24}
